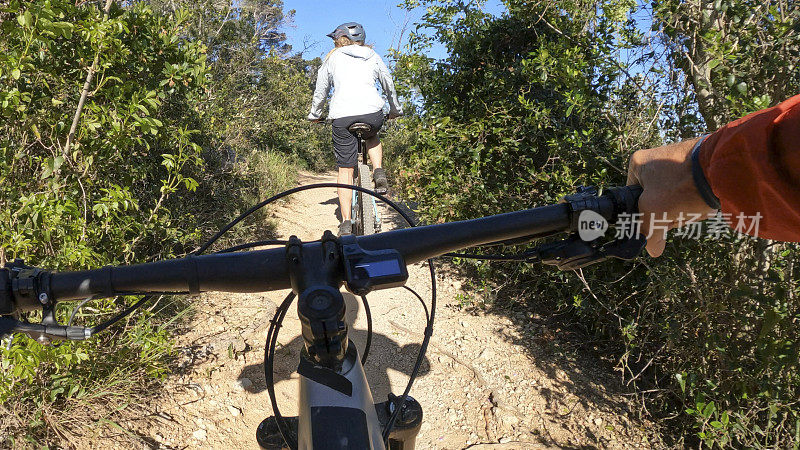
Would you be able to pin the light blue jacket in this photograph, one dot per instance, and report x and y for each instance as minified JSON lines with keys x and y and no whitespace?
{"x":352,"y":70}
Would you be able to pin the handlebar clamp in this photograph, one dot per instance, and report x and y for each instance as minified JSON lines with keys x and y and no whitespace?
{"x":573,"y":253}
{"x":25,"y":288}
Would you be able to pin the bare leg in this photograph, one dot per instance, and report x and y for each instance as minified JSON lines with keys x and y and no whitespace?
{"x":375,"y":150}
{"x":345,"y":195}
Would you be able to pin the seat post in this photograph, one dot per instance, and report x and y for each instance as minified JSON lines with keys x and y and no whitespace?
{"x":363,"y":147}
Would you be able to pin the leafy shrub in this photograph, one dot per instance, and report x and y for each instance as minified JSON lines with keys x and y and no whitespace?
{"x":139,"y":181}
{"x":533,"y":103}
{"x":508,"y":120}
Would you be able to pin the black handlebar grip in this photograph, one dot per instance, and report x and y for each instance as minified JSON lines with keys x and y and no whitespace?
{"x":6,"y":296}
{"x":626,"y":199}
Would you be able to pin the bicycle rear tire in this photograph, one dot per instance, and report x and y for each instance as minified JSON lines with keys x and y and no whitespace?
{"x":366,"y":208}
{"x":355,"y":207}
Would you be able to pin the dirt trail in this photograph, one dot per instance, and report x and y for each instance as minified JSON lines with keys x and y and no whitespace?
{"x":486,"y":383}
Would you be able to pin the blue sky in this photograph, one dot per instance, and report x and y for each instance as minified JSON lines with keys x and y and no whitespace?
{"x":383,"y":21}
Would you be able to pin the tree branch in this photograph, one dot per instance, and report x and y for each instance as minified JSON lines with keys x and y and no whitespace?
{"x":85,"y":91}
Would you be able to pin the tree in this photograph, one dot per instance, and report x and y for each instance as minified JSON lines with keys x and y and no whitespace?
{"x":258,"y":93}
{"x":737,"y":56}
{"x":518,"y":113}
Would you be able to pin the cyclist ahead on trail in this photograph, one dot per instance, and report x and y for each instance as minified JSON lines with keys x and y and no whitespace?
{"x":352,"y":70}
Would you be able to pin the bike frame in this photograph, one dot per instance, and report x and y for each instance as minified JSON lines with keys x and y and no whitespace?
{"x":336,"y":405}
{"x":335,"y":402}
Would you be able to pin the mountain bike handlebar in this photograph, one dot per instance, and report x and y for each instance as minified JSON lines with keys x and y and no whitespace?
{"x":25,"y":288}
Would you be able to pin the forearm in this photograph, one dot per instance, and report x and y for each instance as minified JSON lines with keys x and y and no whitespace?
{"x":753,"y":167}
{"x":750,"y":167}
{"x":320,"y":94}
{"x":670,"y":194}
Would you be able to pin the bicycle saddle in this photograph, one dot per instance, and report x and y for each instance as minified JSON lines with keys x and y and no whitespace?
{"x":359,"y":127}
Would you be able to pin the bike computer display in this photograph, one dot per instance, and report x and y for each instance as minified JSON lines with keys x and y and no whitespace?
{"x":368,"y":270}
{"x":378,"y":268}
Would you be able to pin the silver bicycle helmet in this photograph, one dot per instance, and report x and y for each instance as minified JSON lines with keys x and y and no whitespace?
{"x":355,"y":31}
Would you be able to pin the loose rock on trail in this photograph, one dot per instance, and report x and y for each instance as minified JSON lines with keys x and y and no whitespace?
{"x":486,"y":382}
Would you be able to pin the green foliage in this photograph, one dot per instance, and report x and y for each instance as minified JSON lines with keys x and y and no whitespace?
{"x":709,"y":322}
{"x":517,"y":114}
{"x":737,"y":56}
{"x":269,"y":100}
{"x":106,"y":199}
{"x":50,"y":388}
{"x":257,"y":97}
{"x":80,"y":208}
{"x":533,"y":103}
{"x":147,"y":174}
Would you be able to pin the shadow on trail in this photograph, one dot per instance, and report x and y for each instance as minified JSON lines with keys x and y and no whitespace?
{"x":395,"y":220}
{"x":334,"y":201}
{"x":582,"y":378}
{"x":385,"y":354}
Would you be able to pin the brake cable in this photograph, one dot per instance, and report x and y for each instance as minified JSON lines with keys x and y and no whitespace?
{"x":422,"y":302}
{"x":269,"y":360}
{"x":529,"y":256}
{"x":368,"y":315}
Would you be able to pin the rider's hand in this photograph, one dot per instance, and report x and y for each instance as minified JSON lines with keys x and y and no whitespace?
{"x":317,"y":120}
{"x":665,"y":174}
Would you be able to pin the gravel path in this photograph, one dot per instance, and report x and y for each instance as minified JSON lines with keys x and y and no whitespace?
{"x":486,"y":382}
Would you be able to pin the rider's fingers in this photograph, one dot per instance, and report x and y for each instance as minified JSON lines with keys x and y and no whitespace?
{"x":655,"y":246}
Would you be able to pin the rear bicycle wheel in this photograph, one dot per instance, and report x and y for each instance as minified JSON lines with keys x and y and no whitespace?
{"x":357,"y":199}
{"x":365,"y":205}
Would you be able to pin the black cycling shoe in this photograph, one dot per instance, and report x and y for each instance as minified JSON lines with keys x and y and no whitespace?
{"x":381,"y":184}
{"x":346,"y":227}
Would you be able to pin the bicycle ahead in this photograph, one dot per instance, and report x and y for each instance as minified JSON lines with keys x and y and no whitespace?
{"x":336,"y":409}
{"x":365,"y":214}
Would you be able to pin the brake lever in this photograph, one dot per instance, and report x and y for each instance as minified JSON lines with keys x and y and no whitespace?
{"x":41,"y":332}
{"x":574,"y":253}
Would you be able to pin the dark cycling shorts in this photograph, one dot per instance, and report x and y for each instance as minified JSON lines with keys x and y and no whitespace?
{"x":345,"y":144}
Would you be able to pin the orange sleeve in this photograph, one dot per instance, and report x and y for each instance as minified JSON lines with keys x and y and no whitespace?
{"x":753,"y":167}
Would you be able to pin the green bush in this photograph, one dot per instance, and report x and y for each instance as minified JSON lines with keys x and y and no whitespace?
{"x":533,"y":103}
{"x":182,"y":130}
{"x":508,"y":121}
{"x":144,"y":178}
{"x":87,"y":205}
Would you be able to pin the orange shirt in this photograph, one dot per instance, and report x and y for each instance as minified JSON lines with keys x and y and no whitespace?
{"x":753,"y":167}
